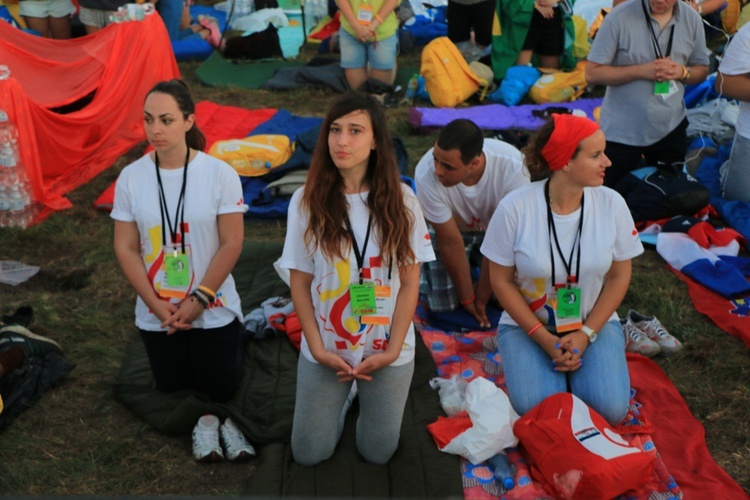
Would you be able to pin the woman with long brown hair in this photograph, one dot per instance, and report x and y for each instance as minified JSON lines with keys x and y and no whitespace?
{"x":355,"y":239}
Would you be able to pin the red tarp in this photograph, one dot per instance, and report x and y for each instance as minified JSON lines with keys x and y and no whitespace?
{"x":119,"y":64}
{"x":679,"y":437}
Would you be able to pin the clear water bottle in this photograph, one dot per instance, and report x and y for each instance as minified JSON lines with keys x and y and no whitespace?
{"x":4,"y":206}
{"x":16,"y":209}
{"x":9,"y":165}
{"x":8,"y":131}
{"x":503,"y":471}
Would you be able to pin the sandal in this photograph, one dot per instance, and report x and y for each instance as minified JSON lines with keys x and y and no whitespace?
{"x":212,"y":25}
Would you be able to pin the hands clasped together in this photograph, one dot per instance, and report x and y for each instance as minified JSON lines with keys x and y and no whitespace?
{"x":566,"y":352}
{"x":546,"y":8}
{"x":363,"y":371}
{"x":664,"y":69}
{"x":178,"y":316}
{"x":364,"y":33}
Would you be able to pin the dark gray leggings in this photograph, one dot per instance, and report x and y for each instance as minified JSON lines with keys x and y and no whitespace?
{"x":320,"y":397}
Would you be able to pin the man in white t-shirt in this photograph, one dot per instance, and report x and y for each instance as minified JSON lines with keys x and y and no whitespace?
{"x":733,"y":81}
{"x":459,"y":182}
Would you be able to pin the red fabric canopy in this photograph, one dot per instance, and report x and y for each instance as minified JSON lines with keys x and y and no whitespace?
{"x":118,"y":64}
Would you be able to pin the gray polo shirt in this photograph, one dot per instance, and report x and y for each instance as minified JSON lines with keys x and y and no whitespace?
{"x":631,"y":113}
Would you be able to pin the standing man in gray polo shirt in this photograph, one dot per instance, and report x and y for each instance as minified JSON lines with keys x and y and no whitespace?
{"x":645,"y":52}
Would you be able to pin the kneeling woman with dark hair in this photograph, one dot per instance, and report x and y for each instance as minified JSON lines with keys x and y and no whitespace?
{"x":355,"y":239}
{"x":560,"y":252}
{"x":178,"y":234}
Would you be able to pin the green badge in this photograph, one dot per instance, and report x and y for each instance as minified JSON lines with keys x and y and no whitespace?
{"x":362,"y":298}
{"x":178,"y":274}
{"x":661,"y":88}
{"x":569,"y":302}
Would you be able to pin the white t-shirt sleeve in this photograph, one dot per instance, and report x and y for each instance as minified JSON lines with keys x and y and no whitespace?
{"x":420,"y":237}
{"x":736,"y":59}
{"x":296,"y":254}
{"x":122,"y":209}
{"x":231,"y":197}
{"x":434,"y":205}
{"x":627,"y":242}
{"x":501,"y":250}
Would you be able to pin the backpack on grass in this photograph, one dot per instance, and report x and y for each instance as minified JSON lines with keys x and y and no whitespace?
{"x":447,"y":76}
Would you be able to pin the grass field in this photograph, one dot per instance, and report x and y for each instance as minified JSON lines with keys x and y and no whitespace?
{"x":77,"y":440}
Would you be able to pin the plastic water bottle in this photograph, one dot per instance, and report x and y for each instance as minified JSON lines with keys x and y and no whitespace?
{"x":16,"y":208}
{"x":503,"y":470}
{"x":4,"y":206}
{"x":9,"y":165}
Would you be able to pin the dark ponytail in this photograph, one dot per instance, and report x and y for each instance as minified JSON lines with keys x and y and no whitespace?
{"x":181,"y":94}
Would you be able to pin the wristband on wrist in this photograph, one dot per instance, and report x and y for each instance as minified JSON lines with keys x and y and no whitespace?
{"x":685,"y":73}
{"x":468,"y":301}
{"x":197,"y":297}
{"x":209,"y":293}
{"x":534,"y":328}
{"x":377,"y":16}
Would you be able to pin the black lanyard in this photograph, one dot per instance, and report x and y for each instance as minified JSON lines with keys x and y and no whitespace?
{"x":359,"y":256}
{"x":654,"y":39}
{"x":571,"y":278}
{"x":179,"y":215}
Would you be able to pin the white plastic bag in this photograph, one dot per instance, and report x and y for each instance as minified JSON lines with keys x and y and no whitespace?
{"x":492,"y":419}
{"x":452,"y":393}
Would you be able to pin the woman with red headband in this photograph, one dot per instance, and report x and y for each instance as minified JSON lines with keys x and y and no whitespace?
{"x":559,"y":252}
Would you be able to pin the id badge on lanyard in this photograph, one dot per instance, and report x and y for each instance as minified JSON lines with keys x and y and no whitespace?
{"x":567,"y":307}
{"x":365,"y":14}
{"x":176,"y":272}
{"x":565,"y":298}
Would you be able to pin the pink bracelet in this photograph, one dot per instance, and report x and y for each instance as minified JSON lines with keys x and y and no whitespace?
{"x":535,"y":328}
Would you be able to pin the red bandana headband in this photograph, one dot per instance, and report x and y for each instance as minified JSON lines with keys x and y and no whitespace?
{"x":569,"y":131}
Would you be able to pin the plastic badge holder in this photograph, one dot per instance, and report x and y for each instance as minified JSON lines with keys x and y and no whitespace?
{"x":13,"y":273}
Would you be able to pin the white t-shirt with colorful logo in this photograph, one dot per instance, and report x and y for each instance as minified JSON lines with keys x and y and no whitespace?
{"x":213,"y":188}
{"x":341,"y":331}
{"x":519,"y":236}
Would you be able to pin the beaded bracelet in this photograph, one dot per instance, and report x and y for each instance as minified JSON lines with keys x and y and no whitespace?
{"x":535,"y":328}
{"x":203,"y":295}
{"x":199,"y":299}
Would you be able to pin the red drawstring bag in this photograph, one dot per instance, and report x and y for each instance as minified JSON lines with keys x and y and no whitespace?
{"x":577,"y":453}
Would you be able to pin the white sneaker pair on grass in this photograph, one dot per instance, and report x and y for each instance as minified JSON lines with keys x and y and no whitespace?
{"x":646,"y":335}
{"x":209,"y":435}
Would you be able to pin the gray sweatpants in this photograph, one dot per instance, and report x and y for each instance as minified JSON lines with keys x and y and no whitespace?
{"x":320,"y":397}
{"x":735,"y":172}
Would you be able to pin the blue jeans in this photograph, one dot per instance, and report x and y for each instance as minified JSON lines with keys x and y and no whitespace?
{"x":602,"y":381}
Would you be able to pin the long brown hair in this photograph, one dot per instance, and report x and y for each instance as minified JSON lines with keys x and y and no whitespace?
{"x":325,"y":200}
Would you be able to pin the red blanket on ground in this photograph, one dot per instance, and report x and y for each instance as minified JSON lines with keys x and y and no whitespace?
{"x":677,"y":439}
{"x":118,"y":65}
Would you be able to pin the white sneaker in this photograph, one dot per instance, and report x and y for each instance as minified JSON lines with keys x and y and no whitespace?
{"x":656,"y":332}
{"x":637,"y":340}
{"x":206,"y":447}
{"x":236,"y":446}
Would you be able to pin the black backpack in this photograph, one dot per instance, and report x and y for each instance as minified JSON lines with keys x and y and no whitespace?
{"x":654,"y":193}
{"x":261,"y":45}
